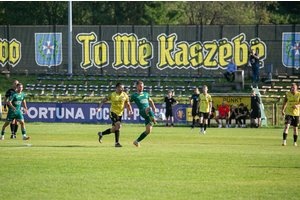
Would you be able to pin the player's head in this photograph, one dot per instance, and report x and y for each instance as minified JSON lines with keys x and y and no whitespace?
{"x":170,"y":93}
{"x":224,"y":103}
{"x":204,"y":89}
{"x":293,"y":87}
{"x":253,"y":92}
{"x":19,"y":87}
{"x":119,"y":88}
{"x":234,"y":106}
{"x":15,"y":83}
{"x":241,"y":105}
{"x":231,"y":60}
{"x":140,"y":86}
{"x":196,"y":90}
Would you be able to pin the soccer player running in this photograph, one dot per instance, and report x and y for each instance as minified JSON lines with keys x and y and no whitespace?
{"x":292,"y":104}
{"x":14,"y":111}
{"x":118,"y":101}
{"x":205,"y":104}
{"x":142,"y":100}
{"x":14,"y":123}
{"x":170,"y":102}
{"x":194,"y":103}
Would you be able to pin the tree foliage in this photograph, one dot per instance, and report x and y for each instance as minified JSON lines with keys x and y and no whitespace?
{"x":150,"y":12}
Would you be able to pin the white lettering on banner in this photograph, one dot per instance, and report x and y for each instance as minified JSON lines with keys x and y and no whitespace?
{"x":105,"y":113}
{"x":43,"y":112}
{"x":57,"y":113}
{"x":51,"y":110}
{"x":135,"y":113}
{"x":99,"y":115}
{"x":68,"y":113}
{"x":79,"y":114}
{"x":35,"y":112}
{"x":93,"y":112}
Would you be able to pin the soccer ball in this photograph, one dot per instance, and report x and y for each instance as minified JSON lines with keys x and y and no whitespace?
{"x":163,"y":105}
{"x":160,"y":117}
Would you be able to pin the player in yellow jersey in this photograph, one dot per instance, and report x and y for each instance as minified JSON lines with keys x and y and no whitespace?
{"x":205,"y":104}
{"x":118,"y":100}
{"x":292,"y":106}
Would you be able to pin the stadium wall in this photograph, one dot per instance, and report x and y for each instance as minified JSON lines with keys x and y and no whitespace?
{"x":148,"y":49}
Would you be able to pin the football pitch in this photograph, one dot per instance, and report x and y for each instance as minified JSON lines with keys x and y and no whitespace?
{"x":66,"y":161}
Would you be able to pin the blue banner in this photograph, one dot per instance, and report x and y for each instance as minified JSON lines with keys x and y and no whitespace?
{"x":86,"y":113}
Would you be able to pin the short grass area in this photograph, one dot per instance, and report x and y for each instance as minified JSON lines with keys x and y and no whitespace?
{"x":66,"y":161}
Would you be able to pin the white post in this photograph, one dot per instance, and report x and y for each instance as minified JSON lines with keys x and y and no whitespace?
{"x":70,"y":37}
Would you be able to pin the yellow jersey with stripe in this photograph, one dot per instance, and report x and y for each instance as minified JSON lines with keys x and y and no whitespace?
{"x":204,"y":101}
{"x":117,"y":102}
{"x":291,"y":100}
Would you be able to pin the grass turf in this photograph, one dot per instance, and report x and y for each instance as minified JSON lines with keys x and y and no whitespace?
{"x":66,"y":161}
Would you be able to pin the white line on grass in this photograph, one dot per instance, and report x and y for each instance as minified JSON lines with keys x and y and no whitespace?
{"x":27,"y":145}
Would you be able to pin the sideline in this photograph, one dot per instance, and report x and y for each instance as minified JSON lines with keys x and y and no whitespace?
{"x":27,"y":145}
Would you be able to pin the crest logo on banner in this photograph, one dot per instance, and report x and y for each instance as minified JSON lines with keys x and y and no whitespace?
{"x":291,"y":49}
{"x":48,"y":49}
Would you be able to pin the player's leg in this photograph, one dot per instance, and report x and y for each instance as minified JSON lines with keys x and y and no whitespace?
{"x":3,"y":129}
{"x":295,"y":127}
{"x":201,"y":122}
{"x":12,"y":129}
{"x":148,"y":124}
{"x":288,"y":121}
{"x":110,"y":130}
{"x":167,"y":119}
{"x":16,"y":128}
{"x":23,"y":129}
{"x":117,"y":133}
{"x":205,"y":122}
{"x":150,"y":113}
{"x":172,"y":120}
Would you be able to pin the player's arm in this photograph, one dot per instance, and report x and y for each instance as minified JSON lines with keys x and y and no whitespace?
{"x":101,"y":104}
{"x":4,"y":103}
{"x":24,"y":106}
{"x":129,"y":109}
{"x":152,"y":104}
{"x":176,"y":102}
{"x":283,"y":108}
{"x":191,"y":100}
{"x":10,"y":105}
{"x":198,"y":106}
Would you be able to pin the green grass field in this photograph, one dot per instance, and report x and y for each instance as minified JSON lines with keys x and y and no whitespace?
{"x":66,"y":161}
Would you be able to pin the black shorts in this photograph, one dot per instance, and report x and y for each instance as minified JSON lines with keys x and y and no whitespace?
{"x":204,"y":115}
{"x":292,"y":120}
{"x":169,"y":113}
{"x":194,"y":112}
{"x":255,"y":114}
{"x":115,"y":118}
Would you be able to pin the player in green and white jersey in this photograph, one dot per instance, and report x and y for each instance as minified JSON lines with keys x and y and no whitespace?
{"x":14,"y":111}
{"x":142,"y":100}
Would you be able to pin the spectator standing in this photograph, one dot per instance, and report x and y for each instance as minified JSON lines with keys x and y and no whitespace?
{"x":194,"y":102}
{"x":170,"y":102}
{"x":255,"y":113}
{"x":231,"y":68}
{"x":254,"y":60}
